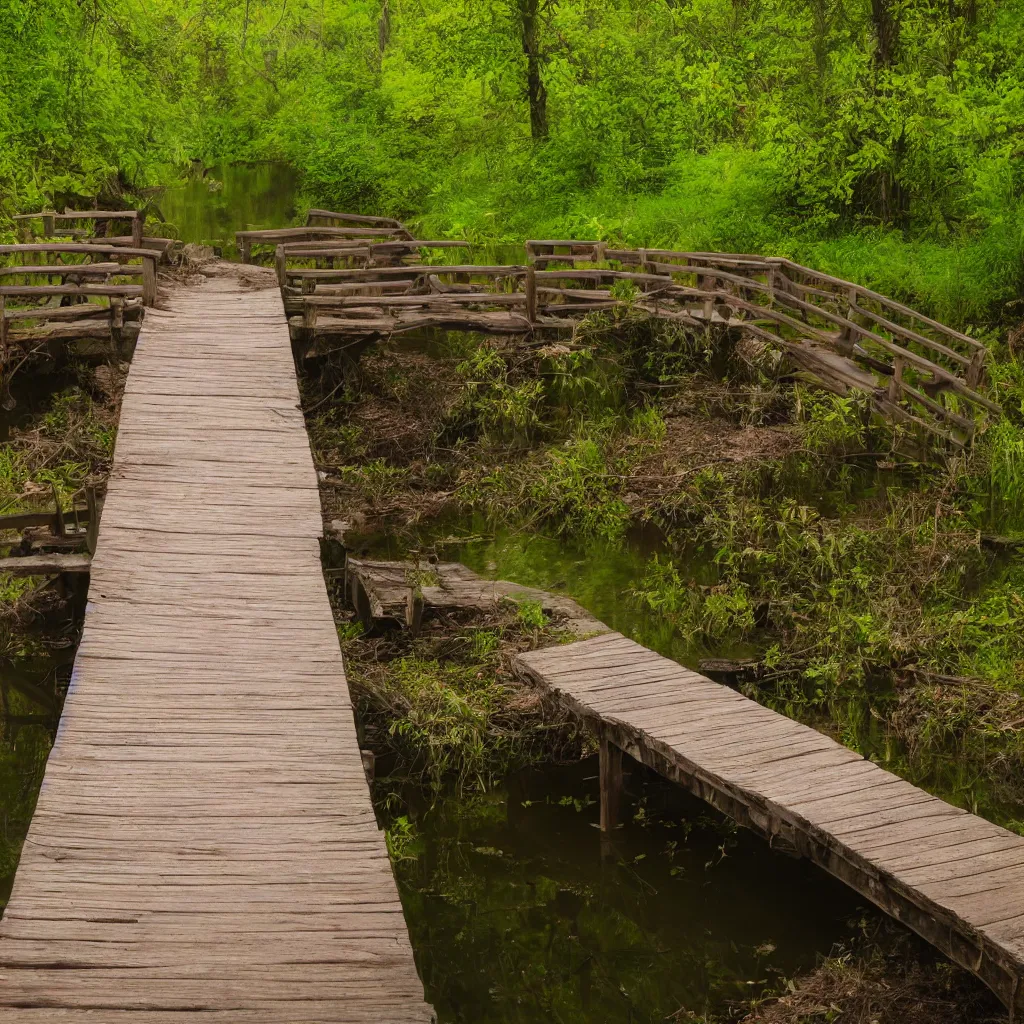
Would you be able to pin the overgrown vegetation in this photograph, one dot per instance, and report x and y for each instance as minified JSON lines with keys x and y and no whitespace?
{"x":857,"y":577}
{"x":443,"y":707}
{"x":874,"y":140}
{"x":887,"y":977}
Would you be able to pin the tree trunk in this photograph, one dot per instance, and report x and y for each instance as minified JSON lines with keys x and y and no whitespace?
{"x":384,"y":28}
{"x":887,"y":32}
{"x":538,"y":95}
{"x":245,"y":26}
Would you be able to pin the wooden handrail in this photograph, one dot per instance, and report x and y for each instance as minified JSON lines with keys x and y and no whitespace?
{"x":149,"y":257}
{"x":855,"y":336}
{"x":353,"y":218}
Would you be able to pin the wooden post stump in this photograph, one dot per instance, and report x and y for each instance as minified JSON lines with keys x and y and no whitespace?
{"x":611,"y":784}
{"x":149,"y":281}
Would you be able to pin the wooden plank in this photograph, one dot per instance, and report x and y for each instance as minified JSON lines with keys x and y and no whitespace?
{"x":954,"y":878}
{"x":33,"y":291}
{"x":204,"y":845}
{"x":44,"y":565}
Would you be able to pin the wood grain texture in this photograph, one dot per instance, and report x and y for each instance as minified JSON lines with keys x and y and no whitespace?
{"x":955,"y":878}
{"x":204,"y":846}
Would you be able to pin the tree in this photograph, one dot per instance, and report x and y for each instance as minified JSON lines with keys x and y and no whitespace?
{"x":529,"y":21}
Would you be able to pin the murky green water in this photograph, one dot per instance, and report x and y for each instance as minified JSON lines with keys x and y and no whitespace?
{"x":208,"y":208}
{"x":520,"y":912}
{"x":33,"y":679}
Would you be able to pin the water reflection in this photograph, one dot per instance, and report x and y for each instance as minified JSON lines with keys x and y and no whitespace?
{"x":519,"y":913}
{"x":211,"y":205}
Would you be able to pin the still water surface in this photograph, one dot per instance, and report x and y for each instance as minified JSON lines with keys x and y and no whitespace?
{"x":208,"y":207}
{"x":520,"y":914}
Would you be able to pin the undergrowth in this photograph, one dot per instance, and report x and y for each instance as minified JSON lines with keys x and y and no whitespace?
{"x":857,"y":573}
{"x":444,"y":706}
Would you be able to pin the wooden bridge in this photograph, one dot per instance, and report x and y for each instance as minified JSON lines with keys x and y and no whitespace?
{"x":204,"y":844}
{"x":952,"y":877}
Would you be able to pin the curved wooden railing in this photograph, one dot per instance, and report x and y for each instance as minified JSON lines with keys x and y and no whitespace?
{"x":914,"y":370}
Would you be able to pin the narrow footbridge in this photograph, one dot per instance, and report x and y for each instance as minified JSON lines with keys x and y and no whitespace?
{"x":953,"y":877}
{"x":204,"y":846}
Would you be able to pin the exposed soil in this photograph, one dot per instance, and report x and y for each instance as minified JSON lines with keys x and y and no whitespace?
{"x":692,"y":443}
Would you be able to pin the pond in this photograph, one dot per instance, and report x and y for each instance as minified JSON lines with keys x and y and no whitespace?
{"x":211,"y":204}
{"x":520,"y":911}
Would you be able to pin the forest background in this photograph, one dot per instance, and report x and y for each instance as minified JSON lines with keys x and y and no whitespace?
{"x":877,"y":139}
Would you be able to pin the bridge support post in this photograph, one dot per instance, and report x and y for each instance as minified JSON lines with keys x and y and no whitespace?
{"x":610,"y":773}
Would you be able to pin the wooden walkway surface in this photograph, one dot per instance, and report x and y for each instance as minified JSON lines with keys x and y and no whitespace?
{"x":204,"y":846}
{"x":953,"y":877}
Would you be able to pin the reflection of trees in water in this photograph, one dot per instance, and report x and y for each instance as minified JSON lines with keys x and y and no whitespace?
{"x":517,"y":917}
{"x":209,"y":207}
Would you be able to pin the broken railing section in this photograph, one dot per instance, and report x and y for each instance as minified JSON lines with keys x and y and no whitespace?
{"x":55,"y":294}
{"x":914,"y":369}
{"x":369,"y":280}
{"x":57,"y":545}
{"x":324,"y":227}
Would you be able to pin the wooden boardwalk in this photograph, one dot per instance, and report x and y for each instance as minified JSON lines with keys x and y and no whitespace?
{"x":951,"y":876}
{"x":204,"y":846}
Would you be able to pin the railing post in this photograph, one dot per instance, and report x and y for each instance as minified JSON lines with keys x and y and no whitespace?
{"x":246,"y":250}
{"x":975,"y":369}
{"x":281,"y":266}
{"x":138,"y":224}
{"x":149,"y":280}
{"x":531,"y":294}
{"x":895,"y":384}
{"x":93,"y":529}
{"x":309,"y":315}
{"x":116,"y":322}
{"x":710,"y":285}
{"x":48,"y":225}
{"x":610,"y":772}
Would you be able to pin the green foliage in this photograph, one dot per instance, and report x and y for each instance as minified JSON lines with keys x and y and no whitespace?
{"x":531,"y":615}
{"x":773,"y":127}
{"x":504,"y":410}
